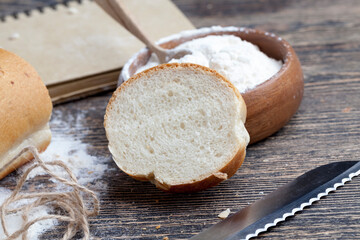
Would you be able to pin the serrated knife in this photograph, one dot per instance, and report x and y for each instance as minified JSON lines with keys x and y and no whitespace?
{"x":282,"y":203}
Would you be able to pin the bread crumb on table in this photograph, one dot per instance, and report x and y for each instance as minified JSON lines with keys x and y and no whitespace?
{"x":224,"y":214}
{"x":346,"y":110}
{"x":158,"y":226}
{"x":165,"y":238}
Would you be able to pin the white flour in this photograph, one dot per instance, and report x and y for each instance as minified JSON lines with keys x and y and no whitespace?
{"x":73,"y":153}
{"x":14,"y":221}
{"x":239,"y":61}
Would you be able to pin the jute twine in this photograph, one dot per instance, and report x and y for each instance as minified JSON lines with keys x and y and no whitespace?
{"x":71,"y":202}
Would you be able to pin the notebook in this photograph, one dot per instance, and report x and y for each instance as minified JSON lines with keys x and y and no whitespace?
{"x":78,"y":49}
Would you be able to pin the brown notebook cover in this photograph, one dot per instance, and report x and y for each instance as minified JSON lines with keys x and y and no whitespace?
{"x":78,"y":49}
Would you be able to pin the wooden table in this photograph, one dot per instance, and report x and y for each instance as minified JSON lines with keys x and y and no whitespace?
{"x":326,"y":36}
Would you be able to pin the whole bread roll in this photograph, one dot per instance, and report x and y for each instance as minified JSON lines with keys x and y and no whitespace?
{"x":180,"y":126}
{"x":25,"y":110}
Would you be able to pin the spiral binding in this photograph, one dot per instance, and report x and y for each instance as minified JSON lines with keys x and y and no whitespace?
{"x":41,"y":9}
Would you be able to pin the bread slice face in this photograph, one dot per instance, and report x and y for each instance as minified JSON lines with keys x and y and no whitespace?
{"x":180,"y":126}
{"x":40,"y":139}
{"x":25,"y":110}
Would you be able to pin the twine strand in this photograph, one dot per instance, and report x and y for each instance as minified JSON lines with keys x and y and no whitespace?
{"x":71,"y":203}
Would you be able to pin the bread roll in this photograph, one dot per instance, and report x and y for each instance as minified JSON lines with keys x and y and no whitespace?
{"x":180,"y":126}
{"x":25,"y":109}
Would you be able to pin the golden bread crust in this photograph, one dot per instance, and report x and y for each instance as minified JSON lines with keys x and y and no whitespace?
{"x":25,"y":104}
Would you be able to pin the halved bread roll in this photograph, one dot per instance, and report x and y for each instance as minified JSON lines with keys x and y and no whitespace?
{"x":180,"y":126}
{"x":25,"y":109}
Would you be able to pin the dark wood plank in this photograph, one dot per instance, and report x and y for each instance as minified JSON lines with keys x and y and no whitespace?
{"x":326,"y":37}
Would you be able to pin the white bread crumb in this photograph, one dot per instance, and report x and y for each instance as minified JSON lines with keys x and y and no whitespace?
{"x":224,"y":214}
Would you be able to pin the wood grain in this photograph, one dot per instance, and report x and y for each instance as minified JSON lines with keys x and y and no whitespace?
{"x":326,"y":36}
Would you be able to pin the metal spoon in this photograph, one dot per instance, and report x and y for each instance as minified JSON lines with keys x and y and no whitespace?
{"x":117,"y":10}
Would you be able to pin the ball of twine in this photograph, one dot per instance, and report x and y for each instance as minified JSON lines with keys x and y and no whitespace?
{"x":70,"y":202}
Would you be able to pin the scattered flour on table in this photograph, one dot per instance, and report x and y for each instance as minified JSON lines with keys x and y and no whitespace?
{"x":14,"y":221}
{"x":85,"y":167}
{"x":241,"y":62}
{"x":74,"y":154}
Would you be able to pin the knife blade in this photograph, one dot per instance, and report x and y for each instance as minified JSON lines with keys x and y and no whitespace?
{"x":283,"y":202}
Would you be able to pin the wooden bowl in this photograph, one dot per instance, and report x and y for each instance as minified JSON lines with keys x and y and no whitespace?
{"x":271,"y":104}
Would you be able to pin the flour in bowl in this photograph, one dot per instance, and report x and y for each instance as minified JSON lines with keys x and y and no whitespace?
{"x":239,"y":61}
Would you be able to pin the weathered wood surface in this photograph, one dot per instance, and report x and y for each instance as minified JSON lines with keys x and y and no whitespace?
{"x":326,"y":36}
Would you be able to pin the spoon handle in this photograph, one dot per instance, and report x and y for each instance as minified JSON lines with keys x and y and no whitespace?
{"x":117,"y":10}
